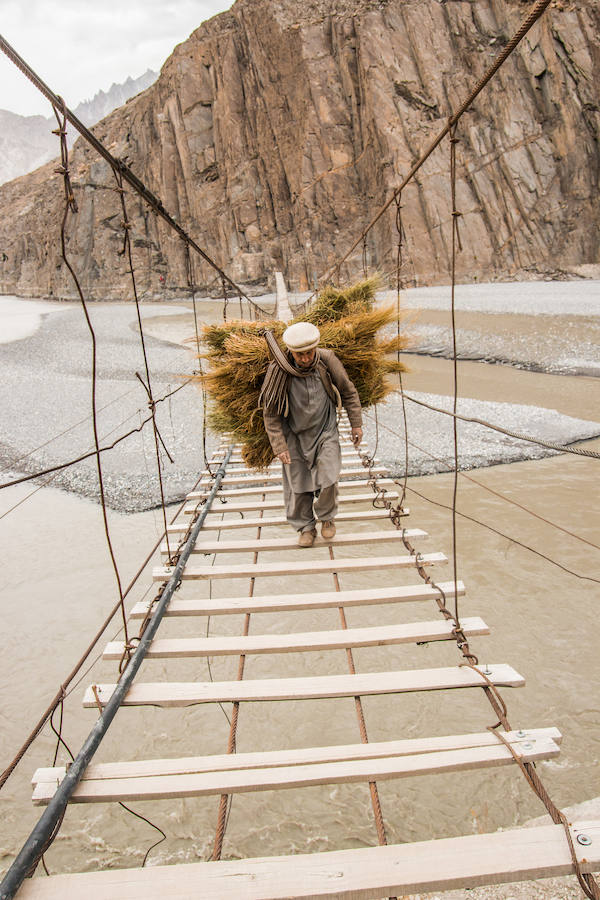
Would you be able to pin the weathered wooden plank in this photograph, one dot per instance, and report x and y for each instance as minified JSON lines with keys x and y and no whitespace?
{"x":215,"y":606}
{"x":374,"y":636}
{"x":315,"y":688}
{"x":237,"y":463}
{"x":276,"y":476}
{"x":200,"y":784}
{"x":295,"y":757}
{"x":304,"y":567}
{"x":218,"y":606}
{"x":362,"y":874}
{"x":278,"y":488}
{"x":346,"y":444}
{"x":219,"y":508}
{"x":263,"y":544}
{"x":213,"y":524}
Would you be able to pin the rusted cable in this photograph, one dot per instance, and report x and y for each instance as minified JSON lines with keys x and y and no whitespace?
{"x":71,"y":209}
{"x":118,"y":166}
{"x":538,"y":8}
{"x":587,"y":882}
{"x":455,"y":242}
{"x":87,"y":455}
{"x":15,"y":462}
{"x":224,"y":800}
{"x":126,"y":251}
{"x":508,"y":537}
{"x":362,"y":725}
{"x":62,"y":691}
{"x":561,"y":448}
{"x":399,"y":264}
{"x":490,"y":490}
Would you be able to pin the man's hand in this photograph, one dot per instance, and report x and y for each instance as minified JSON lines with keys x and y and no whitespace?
{"x":285,"y":457}
{"x":357,"y":435}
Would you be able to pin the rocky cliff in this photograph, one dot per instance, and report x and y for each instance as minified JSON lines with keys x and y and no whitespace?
{"x":277,"y":130}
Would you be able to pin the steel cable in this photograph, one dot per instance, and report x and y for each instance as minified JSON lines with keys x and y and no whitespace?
{"x":118,"y":166}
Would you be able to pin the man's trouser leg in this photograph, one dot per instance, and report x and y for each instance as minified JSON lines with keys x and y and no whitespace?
{"x":326,"y":503}
{"x":298,"y":507}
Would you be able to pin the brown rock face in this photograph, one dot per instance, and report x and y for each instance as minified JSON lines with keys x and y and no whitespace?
{"x":276,"y":132}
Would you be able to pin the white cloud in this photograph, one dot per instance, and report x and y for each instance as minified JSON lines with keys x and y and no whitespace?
{"x":81,"y":46}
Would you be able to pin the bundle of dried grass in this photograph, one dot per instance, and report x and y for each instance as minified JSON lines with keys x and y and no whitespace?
{"x":238,"y":358}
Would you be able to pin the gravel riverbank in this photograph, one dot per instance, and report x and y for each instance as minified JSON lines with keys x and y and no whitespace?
{"x":45,"y":393}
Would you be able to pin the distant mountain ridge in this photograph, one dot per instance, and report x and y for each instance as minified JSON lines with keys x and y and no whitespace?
{"x":27,"y":142}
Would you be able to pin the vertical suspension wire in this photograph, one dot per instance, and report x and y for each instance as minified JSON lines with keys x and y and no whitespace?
{"x":126,"y":252}
{"x":225,"y":298}
{"x":456,"y":247}
{"x":71,"y":208}
{"x":225,"y":800}
{"x":399,"y":264}
{"x":190,"y":274}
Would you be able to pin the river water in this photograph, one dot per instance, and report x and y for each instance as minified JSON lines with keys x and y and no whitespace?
{"x":57,"y":585}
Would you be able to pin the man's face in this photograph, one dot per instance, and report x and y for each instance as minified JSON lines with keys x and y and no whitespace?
{"x":304,"y":358}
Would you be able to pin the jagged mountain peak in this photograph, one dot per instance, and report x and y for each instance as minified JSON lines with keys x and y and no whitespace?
{"x":27,"y":142}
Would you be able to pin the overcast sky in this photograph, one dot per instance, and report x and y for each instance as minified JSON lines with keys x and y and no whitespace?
{"x":81,"y":46}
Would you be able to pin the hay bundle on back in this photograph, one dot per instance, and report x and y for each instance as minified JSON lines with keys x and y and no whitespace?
{"x":238,"y":359}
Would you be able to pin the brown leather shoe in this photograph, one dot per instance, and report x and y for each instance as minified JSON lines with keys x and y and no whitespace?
{"x":307,"y":538}
{"x":327,"y":530}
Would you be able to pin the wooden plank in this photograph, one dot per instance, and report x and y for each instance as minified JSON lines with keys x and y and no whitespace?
{"x":347,"y":446}
{"x":360,"y":874}
{"x":304,"y":567}
{"x":278,"y":504}
{"x":316,"y":688}
{"x":213,"y":524}
{"x":267,"y":477}
{"x":302,"y":756}
{"x":236,"y":461}
{"x":375,"y":636}
{"x":236,"y":781}
{"x":277,"y":488}
{"x":263,"y":544}
{"x":218,"y":606}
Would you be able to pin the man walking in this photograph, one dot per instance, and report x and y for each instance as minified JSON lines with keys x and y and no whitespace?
{"x":301,"y":394}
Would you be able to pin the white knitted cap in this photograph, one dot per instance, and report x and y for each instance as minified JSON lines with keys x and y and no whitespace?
{"x":301,"y":336}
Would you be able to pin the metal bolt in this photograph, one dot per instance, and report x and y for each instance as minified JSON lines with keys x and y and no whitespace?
{"x":520,"y":733}
{"x":584,"y":839}
{"x":527,"y":746}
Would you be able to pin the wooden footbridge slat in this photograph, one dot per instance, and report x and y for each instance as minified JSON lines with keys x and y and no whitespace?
{"x":212,"y":524}
{"x":278,"y":504}
{"x":216,"y":606}
{"x":278,"y":489}
{"x":297,"y":757}
{"x":276,"y":476}
{"x":361,"y":874}
{"x":375,"y":636}
{"x":314,"y":688}
{"x":306,"y":567}
{"x":263,"y":544}
{"x":234,"y":781}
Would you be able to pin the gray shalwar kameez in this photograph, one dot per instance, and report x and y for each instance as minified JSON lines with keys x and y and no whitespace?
{"x":308,"y":431}
{"x":312,"y":438}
